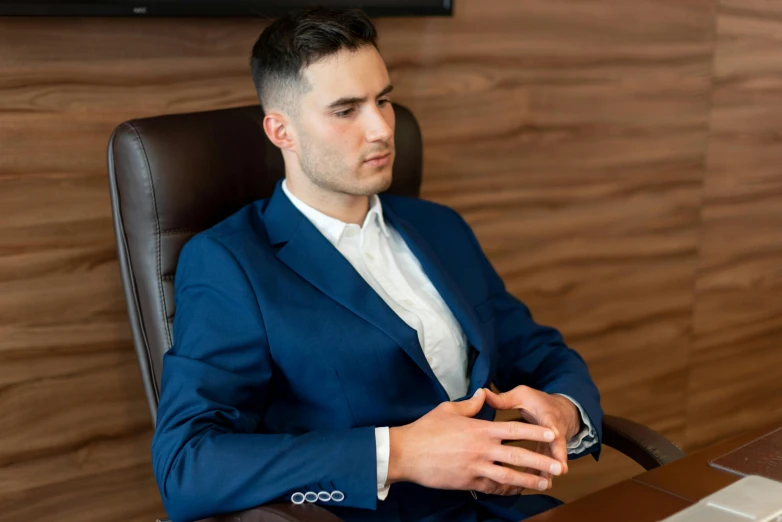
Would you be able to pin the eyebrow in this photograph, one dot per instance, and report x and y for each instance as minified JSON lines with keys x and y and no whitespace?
{"x":355,"y":100}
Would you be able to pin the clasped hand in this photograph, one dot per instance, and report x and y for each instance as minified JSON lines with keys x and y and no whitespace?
{"x":448,"y":449}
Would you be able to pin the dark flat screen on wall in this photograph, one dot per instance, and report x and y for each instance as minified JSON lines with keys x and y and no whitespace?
{"x":142,"y":8}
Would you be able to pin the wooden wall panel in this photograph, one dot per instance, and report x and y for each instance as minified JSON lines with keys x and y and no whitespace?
{"x":572,"y":135}
{"x":573,"y":144}
{"x":76,"y":428}
{"x":736,"y":375}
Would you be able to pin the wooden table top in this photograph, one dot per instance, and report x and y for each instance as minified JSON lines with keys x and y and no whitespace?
{"x":655,"y":494}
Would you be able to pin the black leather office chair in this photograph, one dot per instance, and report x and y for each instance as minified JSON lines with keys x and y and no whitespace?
{"x":173,"y":176}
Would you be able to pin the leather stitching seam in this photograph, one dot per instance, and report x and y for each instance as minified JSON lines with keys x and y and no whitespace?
{"x":157,"y":232}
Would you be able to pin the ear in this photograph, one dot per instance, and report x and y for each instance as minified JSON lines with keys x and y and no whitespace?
{"x":279,"y":130}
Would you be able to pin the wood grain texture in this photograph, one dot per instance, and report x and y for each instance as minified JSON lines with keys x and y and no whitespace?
{"x":76,"y":436}
{"x":573,"y":142}
{"x":572,"y":136}
{"x":736,"y":377}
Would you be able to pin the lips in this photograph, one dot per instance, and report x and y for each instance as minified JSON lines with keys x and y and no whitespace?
{"x":379,"y":157}
{"x":379,"y":161}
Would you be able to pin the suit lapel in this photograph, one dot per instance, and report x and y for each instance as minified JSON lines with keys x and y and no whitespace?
{"x":308,"y":253}
{"x":449,"y":291}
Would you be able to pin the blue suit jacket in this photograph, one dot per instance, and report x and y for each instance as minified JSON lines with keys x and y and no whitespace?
{"x":284,"y":361}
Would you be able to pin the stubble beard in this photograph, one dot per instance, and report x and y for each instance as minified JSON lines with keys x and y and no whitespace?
{"x":328,"y":173}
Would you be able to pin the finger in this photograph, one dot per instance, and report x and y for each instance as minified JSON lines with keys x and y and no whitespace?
{"x":490,"y":487}
{"x":520,"y":431}
{"x":542,"y":448}
{"x":521,"y":457}
{"x":558,"y":450}
{"x":546,"y":450}
{"x":512,"y":477}
{"x":509,"y":491}
{"x":559,"y":445}
{"x":471,"y":406}
{"x":499,"y":401}
{"x":509,"y":400}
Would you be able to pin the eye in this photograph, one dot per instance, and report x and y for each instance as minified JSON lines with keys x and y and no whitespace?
{"x":343,"y":114}
{"x":383,"y":102}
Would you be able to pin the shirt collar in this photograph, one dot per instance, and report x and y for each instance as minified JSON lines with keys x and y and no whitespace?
{"x":333,"y":228}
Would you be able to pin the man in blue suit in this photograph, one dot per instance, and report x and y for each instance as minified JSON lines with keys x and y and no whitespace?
{"x":334,"y":346}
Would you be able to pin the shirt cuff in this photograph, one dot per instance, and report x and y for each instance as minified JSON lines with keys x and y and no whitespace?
{"x":383,"y":449}
{"x":584,"y":439}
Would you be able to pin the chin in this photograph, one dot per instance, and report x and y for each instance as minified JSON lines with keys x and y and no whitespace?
{"x":384,"y":180}
{"x":375,"y":183}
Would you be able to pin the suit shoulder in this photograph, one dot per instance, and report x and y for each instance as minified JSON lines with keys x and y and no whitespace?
{"x":240,"y":228}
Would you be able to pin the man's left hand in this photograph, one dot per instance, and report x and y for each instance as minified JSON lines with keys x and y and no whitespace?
{"x":552,"y":411}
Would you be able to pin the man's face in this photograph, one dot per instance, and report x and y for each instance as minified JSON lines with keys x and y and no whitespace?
{"x":344,"y":119}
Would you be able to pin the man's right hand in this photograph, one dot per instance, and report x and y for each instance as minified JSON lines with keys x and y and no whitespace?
{"x":448,"y":449}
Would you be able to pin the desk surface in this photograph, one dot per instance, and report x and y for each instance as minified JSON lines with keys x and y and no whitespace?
{"x":656,"y":494}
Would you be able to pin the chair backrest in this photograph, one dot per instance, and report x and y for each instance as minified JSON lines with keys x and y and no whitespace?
{"x":174,"y":176}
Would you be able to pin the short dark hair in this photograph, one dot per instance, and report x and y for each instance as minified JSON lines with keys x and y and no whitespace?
{"x":299,"y":39}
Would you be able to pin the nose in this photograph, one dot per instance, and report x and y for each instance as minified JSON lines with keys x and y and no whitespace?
{"x":380,"y":124}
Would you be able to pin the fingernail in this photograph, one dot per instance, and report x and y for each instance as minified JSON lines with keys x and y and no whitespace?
{"x":477,"y":392}
{"x":549,"y":435}
{"x":556,"y":468}
{"x":542,"y":485}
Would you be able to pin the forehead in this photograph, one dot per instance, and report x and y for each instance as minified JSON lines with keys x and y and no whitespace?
{"x":360,"y":73}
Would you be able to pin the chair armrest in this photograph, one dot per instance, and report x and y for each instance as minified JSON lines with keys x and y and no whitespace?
{"x":281,"y":512}
{"x":642,"y":444}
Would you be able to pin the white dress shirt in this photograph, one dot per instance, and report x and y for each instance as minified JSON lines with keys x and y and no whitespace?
{"x":381,"y":256}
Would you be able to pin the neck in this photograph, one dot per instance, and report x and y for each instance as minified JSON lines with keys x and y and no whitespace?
{"x":345,"y":207}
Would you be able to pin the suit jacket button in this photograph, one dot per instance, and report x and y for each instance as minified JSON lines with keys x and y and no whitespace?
{"x":297,"y":498}
{"x":337,"y":496}
{"x":310,"y":496}
{"x":324,"y":496}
